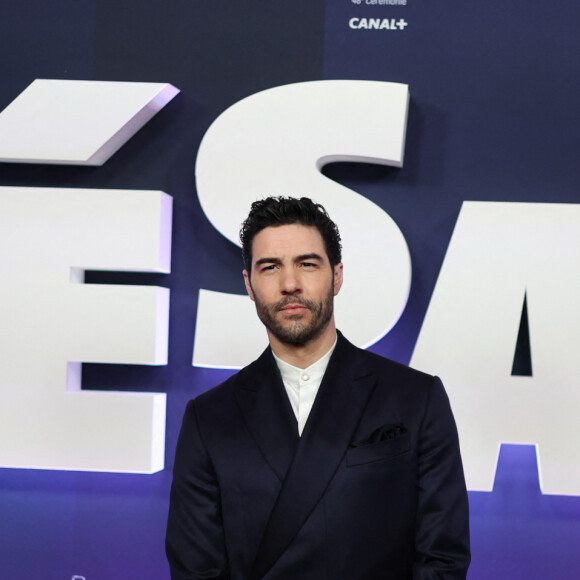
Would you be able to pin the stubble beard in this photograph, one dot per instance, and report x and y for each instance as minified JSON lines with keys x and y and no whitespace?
{"x":294,"y":330}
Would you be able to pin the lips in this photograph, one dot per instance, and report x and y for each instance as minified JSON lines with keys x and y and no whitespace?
{"x":293,"y":308}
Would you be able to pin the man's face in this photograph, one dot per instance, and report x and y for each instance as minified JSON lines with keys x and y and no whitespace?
{"x":292,"y":282}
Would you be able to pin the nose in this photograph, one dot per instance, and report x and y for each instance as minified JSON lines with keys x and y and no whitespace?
{"x":290,"y":282}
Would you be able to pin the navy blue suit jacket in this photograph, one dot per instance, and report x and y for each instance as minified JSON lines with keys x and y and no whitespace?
{"x":373,"y":489}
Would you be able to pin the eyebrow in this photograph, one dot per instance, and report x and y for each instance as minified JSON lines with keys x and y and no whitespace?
{"x":312,"y":256}
{"x":267,"y":261}
{"x":300,"y":258}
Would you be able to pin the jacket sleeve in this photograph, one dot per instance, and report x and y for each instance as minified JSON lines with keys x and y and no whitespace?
{"x":194,"y":540}
{"x":442,"y":530}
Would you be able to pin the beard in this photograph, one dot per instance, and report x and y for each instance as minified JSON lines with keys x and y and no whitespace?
{"x":293,"y":330}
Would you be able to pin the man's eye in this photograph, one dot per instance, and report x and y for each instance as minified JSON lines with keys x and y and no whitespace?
{"x":308,"y":265}
{"x":270,"y":267}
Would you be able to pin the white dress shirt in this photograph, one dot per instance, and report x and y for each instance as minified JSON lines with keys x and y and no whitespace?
{"x":302,"y":385}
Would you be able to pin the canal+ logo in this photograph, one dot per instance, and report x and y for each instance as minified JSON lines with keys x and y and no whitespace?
{"x":377,"y":24}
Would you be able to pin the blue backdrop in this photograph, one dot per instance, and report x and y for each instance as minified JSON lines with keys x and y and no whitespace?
{"x":493,"y":117}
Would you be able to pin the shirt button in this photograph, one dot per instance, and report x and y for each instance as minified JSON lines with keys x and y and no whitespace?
{"x":305,"y":377}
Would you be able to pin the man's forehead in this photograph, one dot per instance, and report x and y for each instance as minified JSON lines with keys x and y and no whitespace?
{"x":287,"y":240}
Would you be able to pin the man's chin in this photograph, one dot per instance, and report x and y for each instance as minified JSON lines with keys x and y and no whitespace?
{"x":294,"y":340}
{"x":293,"y":318}
{"x":296,"y":334}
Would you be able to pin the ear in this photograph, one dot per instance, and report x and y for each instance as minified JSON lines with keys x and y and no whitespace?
{"x":337,"y":278}
{"x":248,"y":285}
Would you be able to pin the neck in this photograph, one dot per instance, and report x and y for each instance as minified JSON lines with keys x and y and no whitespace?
{"x":303,"y":355}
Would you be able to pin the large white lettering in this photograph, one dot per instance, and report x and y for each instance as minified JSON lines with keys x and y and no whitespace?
{"x":77,"y":122}
{"x":499,"y":253}
{"x":274,"y":143}
{"x":51,"y":322}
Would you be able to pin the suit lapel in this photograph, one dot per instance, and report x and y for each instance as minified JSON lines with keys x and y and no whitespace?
{"x":267,"y":412}
{"x":339,"y":404}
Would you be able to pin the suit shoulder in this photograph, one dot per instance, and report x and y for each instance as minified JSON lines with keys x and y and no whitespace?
{"x":217,"y":393}
{"x":414,"y":392}
{"x":225,"y":390}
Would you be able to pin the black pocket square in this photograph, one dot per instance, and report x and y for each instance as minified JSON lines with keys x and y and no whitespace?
{"x":383,"y":433}
{"x":384,"y":443}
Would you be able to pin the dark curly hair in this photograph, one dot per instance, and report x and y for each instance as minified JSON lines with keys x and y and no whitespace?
{"x":281,"y":211}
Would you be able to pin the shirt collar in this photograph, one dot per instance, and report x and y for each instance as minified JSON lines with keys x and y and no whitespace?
{"x":291,"y":374}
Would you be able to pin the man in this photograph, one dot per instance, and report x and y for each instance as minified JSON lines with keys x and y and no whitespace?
{"x":318,"y":461}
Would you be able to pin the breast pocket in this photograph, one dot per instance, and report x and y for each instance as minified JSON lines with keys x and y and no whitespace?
{"x":381,"y":451}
